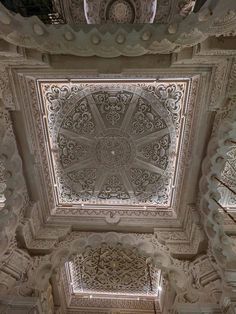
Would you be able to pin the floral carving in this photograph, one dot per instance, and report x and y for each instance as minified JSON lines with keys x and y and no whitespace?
{"x":71,"y":151}
{"x":229,"y":172}
{"x":113,"y":151}
{"x":80,"y":119}
{"x":113,"y":188}
{"x":56,"y":97}
{"x":157,"y":152}
{"x":112,"y":269}
{"x":145,"y":120}
{"x":85,"y":178}
{"x":170,"y":96}
{"x":112,"y":105}
{"x":112,"y":141}
{"x":141,"y":179}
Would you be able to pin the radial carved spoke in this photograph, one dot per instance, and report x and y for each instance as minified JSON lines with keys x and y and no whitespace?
{"x":113,"y":143}
{"x":129,"y":113}
{"x":147,"y":166}
{"x":127,"y":183}
{"x":80,"y":165}
{"x":100,"y":178}
{"x":86,"y":139}
{"x":144,"y":138}
{"x":99,"y":120}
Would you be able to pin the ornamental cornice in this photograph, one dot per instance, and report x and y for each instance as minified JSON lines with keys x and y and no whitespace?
{"x":36,"y":236}
{"x":222,"y":72}
{"x":187,"y":241}
{"x":214,"y":19}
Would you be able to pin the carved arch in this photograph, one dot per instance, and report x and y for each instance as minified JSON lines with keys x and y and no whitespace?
{"x":176,"y":272}
{"x":213,"y":166}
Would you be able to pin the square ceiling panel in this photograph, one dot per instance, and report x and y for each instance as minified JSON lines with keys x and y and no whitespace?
{"x":115,"y":142}
{"x":108,"y":271}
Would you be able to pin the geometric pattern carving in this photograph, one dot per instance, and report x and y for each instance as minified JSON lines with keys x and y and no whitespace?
{"x":228,"y":199}
{"x":145,"y":120}
{"x":113,"y":142}
{"x":229,"y":172}
{"x":156,"y":152}
{"x":113,"y":105}
{"x":71,"y":151}
{"x":113,"y":188}
{"x":122,"y":11}
{"x":113,"y":271}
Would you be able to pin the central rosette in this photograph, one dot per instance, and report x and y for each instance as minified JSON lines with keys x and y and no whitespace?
{"x":114,"y":151}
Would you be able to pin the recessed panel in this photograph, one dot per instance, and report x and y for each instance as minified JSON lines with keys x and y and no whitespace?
{"x":114,"y":143}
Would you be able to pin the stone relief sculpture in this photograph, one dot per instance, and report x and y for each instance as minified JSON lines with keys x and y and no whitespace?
{"x":114,"y":146}
{"x":130,"y":41}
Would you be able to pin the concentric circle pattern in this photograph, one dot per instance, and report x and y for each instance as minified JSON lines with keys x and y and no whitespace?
{"x":113,"y":151}
{"x":120,"y":11}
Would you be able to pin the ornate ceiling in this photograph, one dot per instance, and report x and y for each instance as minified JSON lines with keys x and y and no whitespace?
{"x":174,"y":31}
{"x":113,"y":271}
{"x":228,"y":176}
{"x":110,"y":167}
{"x":114,"y":143}
{"x":122,"y":11}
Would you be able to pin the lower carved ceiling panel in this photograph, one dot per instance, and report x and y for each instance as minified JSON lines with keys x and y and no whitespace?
{"x":113,"y":271}
{"x":228,"y":176}
{"x":114,"y":143}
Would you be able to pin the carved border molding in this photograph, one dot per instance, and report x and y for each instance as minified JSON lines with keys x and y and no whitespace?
{"x":185,"y":242}
{"x":37,"y":237}
{"x":214,"y":19}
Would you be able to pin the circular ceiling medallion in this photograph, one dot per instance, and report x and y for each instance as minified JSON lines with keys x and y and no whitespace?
{"x":120,"y":11}
{"x":114,"y":151}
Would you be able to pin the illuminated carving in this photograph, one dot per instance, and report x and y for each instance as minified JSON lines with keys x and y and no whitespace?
{"x":113,"y":141}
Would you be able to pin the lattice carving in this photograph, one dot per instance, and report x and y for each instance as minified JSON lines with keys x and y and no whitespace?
{"x":228,"y":176}
{"x":112,"y":270}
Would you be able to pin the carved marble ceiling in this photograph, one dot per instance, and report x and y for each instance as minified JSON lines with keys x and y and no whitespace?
{"x":122,"y":11}
{"x":114,"y":143}
{"x":112,"y":271}
{"x":228,"y":199}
